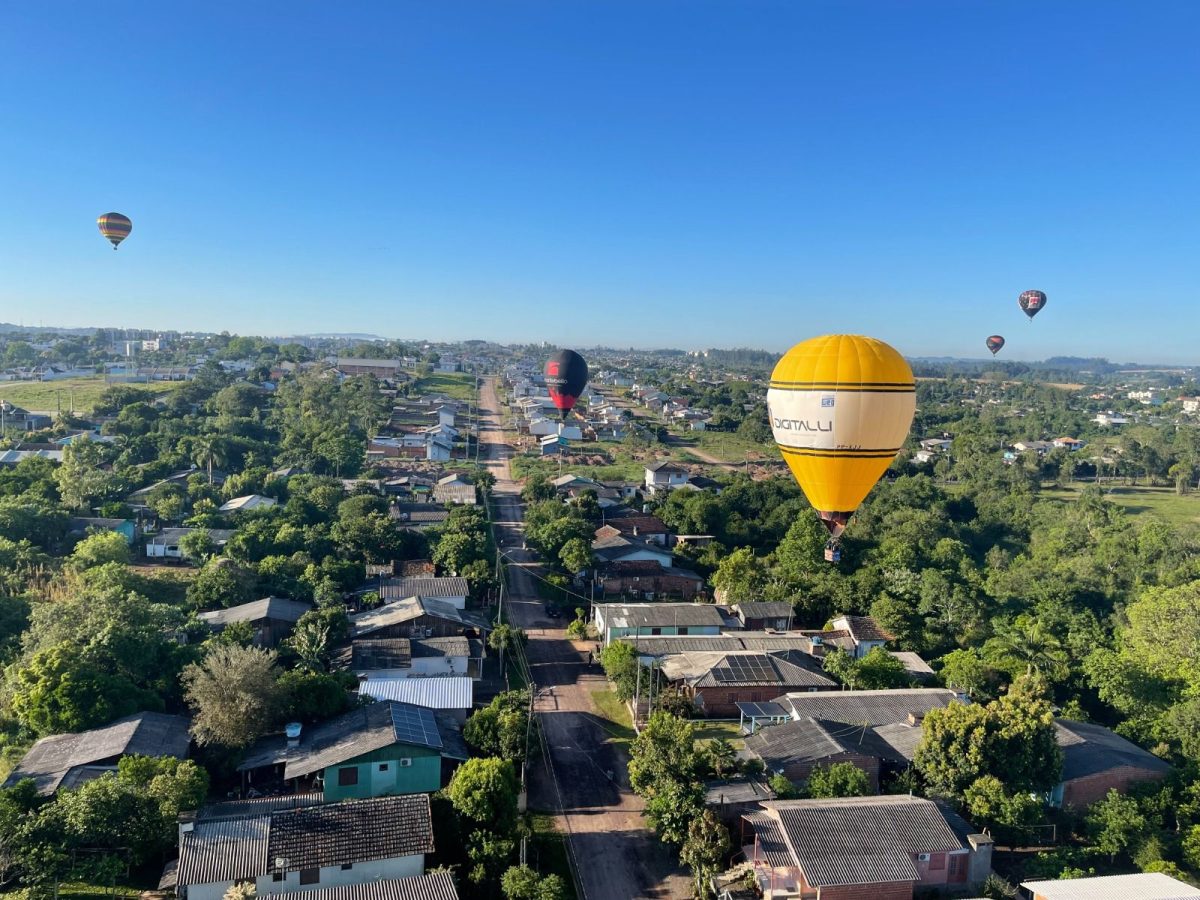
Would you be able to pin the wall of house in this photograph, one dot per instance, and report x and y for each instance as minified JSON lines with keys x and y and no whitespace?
{"x":1081,"y":792}
{"x":721,"y":702}
{"x":901,"y":890}
{"x":358,"y":873}
{"x":615,"y":633}
{"x":380,"y":774}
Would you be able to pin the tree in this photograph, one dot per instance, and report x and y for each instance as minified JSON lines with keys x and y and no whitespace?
{"x":209,"y":450}
{"x":965,"y":670}
{"x":1011,"y":816}
{"x":100,"y":548}
{"x":840,"y":779}
{"x":500,"y":728}
{"x":576,"y":555}
{"x":672,"y":806}
{"x":782,"y":787}
{"x":221,"y":583}
{"x":524,"y":883}
{"x":1164,"y":633}
{"x":313,"y":696}
{"x":80,"y":478}
{"x":620,"y":663}
{"x":740,"y":576}
{"x":1115,"y":825}
{"x":663,"y":751}
{"x":704,"y":850}
{"x":198,"y":545}
{"x":721,"y":757}
{"x":240,"y":890}
{"x":310,"y":642}
{"x":485,"y":791}
{"x":234,"y":694}
{"x":1026,"y":646}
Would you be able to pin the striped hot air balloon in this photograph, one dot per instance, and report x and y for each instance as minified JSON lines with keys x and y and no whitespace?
{"x":115,"y":227}
{"x":840,"y":406}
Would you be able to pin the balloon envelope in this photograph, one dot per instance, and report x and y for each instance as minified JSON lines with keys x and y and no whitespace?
{"x":1032,"y":302}
{"x":566,"y":376}
{"x":995,"y":343}
{"x":115,"y":227}
{"x":840,"y":406}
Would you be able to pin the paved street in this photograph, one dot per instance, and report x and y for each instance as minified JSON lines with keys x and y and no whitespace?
{"x":584,"y":778}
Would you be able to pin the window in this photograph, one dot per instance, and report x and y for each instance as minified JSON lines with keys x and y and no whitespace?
{"x":958,"y":867}
{"x":277,"y":876}
{"x":346,"y":867}
{"x":310,"y":876}
{"x":937,"y":862}
{"x":655,"y":631}
{"x":683,"y":630}
{"x":383,"y":767}
{"x":348,"y":776}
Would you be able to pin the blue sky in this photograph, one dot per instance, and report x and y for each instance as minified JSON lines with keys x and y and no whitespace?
{"x":641,"y":173}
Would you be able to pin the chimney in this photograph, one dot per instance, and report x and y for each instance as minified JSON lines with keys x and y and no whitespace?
{"x":635,"y":531}
{"x":186,"y":822}
{"x":915,"y":719}
{"x":292,"y":729}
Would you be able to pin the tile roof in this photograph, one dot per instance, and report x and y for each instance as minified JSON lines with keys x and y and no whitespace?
{"x":419,"y":513}
{"x":51,"y":761}
{"x":812,"y":740}
{"x":760,"y":609}
{"x":280,"y":608}
{"x":864,"y":628}
{"x":865,"y":840}
{"x":433,"y":886}
{"x":352,"y":831}
{"x":657,"y":615}
{"x":399,"y":588}
{"x":871,"y":707}
{"x":434,"y":691}
{"x":406,"y":610}
{"x":1088,"y":749}
{"x":1142,"y":886}
{"x":441,"y":646}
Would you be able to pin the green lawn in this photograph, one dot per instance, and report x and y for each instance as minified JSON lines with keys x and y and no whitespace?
{"x":548,"y":851}
{"x":710,"y":731}
{"x":619,"y":723}
{"x":1162,"y":502}
{"x":525,"y":466}
{"x":457,"y":385}
{"x":728,"y":446}
{"x":44,"y":396}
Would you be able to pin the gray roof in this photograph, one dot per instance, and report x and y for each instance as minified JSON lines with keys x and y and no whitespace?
{"x":762,"y":609}
{"x":419,"y":513}
{"x":657,"y":615}
{"x":435,"y":691}
{"x":1142,"y":886}
{"x":441,"y":646}
{"x":463,"y":494}
{"x":408,"y":609}
{"x":350,"y":735}
{"x":381,"y":653}
{"x":737,"y":790}
{"x":433,"y":886}
{"x":258,"y":806}
{"x":352,"y":831}
{"x":812,"y":740}
{"x":175,"y":535}
{"x":764,"y":641}
{"x":1088,"y":749}
{"x":56,"y":760}
{"x":223,"y":849}
{"x":279,"y":608}
{"x":437,"y":588}
{"x":883,"y":707}
{"x":83,"y":523}
{"x":864,"y":840}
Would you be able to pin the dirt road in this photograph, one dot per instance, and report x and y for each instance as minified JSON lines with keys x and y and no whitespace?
{"x":583,"y":778}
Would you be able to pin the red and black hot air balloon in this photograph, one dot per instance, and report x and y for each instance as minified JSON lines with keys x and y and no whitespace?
{"x":115,"y":227}
{"x":995,"y":343}
{"x":1032,"y":302}
{"x":566,"y":377}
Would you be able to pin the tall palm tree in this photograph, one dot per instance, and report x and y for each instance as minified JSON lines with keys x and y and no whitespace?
{"x":208,"y":450}
{"x":1026,"y":640}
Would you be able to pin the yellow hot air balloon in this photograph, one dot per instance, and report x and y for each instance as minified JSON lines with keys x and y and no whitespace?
{"x":840,"y":407}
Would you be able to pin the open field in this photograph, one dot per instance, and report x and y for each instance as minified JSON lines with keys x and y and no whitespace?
{"x":457,"y":385}
{"x":1162,"y":502}
{"x":46,"y":396}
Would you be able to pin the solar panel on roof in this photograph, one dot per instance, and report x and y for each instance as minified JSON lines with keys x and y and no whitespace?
{"x":415,"y":725}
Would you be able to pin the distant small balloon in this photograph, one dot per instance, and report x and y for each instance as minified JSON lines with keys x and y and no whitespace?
{"x":995,"y":343}
{"x":115,"y":227}
{"x":1032,"y":302}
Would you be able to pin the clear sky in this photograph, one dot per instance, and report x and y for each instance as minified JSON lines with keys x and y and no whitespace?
{"x":649,"y":173}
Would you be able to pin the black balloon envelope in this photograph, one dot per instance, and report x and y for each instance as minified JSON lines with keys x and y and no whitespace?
{"x":1032,"y":302}
{"x":566,"y":376}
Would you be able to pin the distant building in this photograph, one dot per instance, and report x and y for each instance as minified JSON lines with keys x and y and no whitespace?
{"x":1141,"y":886}
{"x":249,"y":503}
{"x":272,"y":618}
{"x":617,"y":620}
{"x":664,"y":476}
{"x":1097,"y":760}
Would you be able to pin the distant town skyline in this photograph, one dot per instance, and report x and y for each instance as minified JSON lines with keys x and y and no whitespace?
{"x":650,"y":175}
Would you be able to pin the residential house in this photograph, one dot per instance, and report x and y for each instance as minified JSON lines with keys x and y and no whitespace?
{"x":249,"y":503}
{"x":649,"y":528}
{"x":552,"y":444}
{"x":380,"y":368}
{"x":864,"y":631}
{"x":615,"y":547}
{"x":69,"y":760}
{"x":1068,"y":443}
{"x":1191,"y":404}
{"x":794,"y":748}
{"x":914,"y":666}
{"x":1140,"y":886}
{"x":377,"y":750}
{"x":272,"y":618}
{"x":286,"y":850}
{"x":872,"y":708}
{"x":937,"y":445}
{"x":418,"y":516}
{"x":647,"y":579}
{"x":616,"y":620}
{"x":1041,"y":448}
{"x":455,"y":489}
{"x":180,"y":479}
{"x":734,"y":797}
{"x":417,"y":617}
{"x":765,"y":616}
{"x":438,"y":885}
{"x":453,"y":695}
{"x":1097,"y":760}
{"x":539,"y":427}
{"x":418,"y":658}
{"x":166,"y":543}
{"x":884,"y":848}
{"x":439,"y":448}
{"x":664,"y":475}
{"x":449,"y":590}
{"x":1110,"y":420}
{"x":12,"y":457}
{"x":14,"y":418}
{"x":716,"y":682}
{"x":127,"y":528}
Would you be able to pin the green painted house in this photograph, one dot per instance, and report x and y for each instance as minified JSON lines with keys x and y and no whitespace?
{"x":377,"y":750}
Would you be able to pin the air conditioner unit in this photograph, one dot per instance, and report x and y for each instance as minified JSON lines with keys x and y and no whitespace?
{"x":405,"y":762}
{"x":923,"y":857}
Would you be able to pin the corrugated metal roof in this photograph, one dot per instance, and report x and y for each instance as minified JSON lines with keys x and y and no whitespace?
{"x":434,"y":692}
{"x":224,"y":850}
{"x":659,"y":615}
{"x":399,"y":588}
{"x":882,"y":707}
{"x":1142,"y":886}
{"x":280,"y":608}
{"x":434,"y":886}
{"x":1089,"y":749}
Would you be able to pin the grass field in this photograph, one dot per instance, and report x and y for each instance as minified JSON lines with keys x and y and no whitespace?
{"x":524,"y":466}
{"x":710,"y":731}
{"x":619,"y":723}
{"x":457,"y":385}
{"x":46,"y":396}
{"x":1162,"y":502}
{"x":549,"y":851}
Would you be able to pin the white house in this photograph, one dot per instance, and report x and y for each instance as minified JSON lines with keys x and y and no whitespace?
{"x":438,"y":449}
{"x":664,"y":476}
{"x":165,"y":544}
{"x":247,"y":503}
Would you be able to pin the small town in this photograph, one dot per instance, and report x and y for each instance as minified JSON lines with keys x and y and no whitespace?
{"x":624,"y":450}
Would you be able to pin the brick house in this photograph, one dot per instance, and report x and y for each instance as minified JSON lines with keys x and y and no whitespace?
{"x":862,"y":848}
{"x":1097,"y":760}
{"x":641,"y":577}
{"x":717,"y":682}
